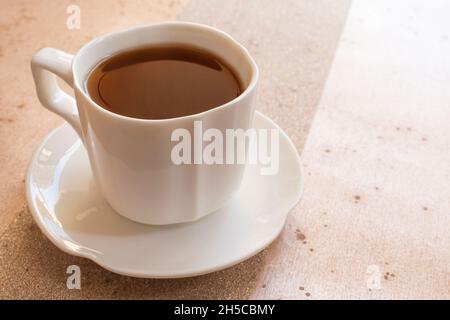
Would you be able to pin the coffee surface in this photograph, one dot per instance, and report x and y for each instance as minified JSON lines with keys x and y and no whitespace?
{"x":162,"y":82}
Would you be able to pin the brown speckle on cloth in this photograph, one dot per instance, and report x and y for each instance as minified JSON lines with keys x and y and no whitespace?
{"x":299,"y":235}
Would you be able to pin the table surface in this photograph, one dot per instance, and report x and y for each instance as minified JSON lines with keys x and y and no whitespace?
{"x":362,"y":90}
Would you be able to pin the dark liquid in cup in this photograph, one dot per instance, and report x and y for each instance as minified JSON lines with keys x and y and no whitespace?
{"x":162,"y":82}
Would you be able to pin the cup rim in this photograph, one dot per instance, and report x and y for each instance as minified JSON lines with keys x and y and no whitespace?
{"x":251,"y":86}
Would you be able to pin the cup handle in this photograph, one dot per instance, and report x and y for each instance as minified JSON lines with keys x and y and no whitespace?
{"x":46,"y":64}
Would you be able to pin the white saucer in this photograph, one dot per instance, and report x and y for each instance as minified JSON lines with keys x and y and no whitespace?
{"x":73,"y":215}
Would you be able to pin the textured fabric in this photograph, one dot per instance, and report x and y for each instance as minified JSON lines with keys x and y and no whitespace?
{"x":374,"y":221}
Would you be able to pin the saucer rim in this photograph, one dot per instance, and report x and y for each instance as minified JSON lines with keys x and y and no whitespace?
{"x":83,"y":253}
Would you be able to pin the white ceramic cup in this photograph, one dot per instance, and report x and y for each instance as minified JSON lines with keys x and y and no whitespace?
{"x":131,"y":158}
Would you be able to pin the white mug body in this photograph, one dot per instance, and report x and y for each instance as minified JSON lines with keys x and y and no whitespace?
{"x":131,"y":158}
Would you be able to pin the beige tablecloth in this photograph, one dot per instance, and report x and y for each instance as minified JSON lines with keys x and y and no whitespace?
{"x":374,"y":218}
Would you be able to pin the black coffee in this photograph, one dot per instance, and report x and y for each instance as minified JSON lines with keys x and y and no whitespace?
{"x":162,"y":82}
